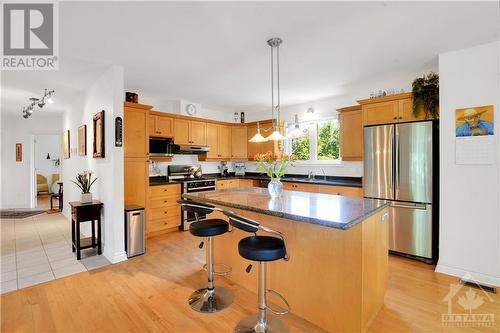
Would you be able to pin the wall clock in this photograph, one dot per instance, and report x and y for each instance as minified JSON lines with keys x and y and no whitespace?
{"x":191,"y":109}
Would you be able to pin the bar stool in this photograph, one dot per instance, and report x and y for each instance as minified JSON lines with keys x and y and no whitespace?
{"x":210,"y":299}
{"x":262,"y":249}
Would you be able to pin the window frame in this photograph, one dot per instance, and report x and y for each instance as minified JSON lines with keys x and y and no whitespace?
{"x":313,"y":143}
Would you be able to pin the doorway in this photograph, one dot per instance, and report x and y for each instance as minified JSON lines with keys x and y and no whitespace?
{"x":46,"y":169}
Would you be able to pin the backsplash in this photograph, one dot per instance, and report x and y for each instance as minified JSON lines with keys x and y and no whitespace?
{"x":206,"y":167}
{"x":344,"y":169}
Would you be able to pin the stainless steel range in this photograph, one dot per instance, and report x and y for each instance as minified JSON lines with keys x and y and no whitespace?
{"x":192,"y":180}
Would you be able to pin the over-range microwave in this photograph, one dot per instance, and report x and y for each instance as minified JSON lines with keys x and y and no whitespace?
{"x":161,"y":147}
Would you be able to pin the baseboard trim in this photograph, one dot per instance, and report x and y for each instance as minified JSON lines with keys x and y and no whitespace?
{"x":117,"y":257}
{"x":460,"y":273}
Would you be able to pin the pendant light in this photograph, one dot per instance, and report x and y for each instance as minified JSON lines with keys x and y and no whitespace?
{"x":276,"y":135}
{"x":296,"y":132}
{"x":257,"y":138}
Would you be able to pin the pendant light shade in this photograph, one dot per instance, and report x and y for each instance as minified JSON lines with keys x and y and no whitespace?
{"x":258,"y":137}
{"x":276,"y":136}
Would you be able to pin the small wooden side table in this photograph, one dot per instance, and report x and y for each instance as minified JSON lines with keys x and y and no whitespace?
{"x":85,"y":212}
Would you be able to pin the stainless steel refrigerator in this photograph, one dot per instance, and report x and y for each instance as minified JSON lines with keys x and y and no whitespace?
{"x":399,"y":163}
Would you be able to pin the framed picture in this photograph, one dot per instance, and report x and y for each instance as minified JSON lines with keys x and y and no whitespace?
{"x":19,"y":152}
{"x":99,"y":135}
{"x":66,"y":144}
{"x":474,"y":121}
{"x":82,"y":140}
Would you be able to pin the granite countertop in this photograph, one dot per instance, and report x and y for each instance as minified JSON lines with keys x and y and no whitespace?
{"x":330,"y":180}
{"x":332,"y":211}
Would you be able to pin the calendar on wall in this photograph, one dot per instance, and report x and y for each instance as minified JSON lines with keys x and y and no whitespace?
{"x":474,"y":131}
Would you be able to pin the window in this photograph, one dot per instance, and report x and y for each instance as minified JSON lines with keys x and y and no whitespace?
{"x":328,"y":140}
{"x":301,"y":148}
{"x":320,"y":142}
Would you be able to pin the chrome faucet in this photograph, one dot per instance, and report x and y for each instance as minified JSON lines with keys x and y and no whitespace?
{"x":310,"y":175}
{"x":324,"y":174}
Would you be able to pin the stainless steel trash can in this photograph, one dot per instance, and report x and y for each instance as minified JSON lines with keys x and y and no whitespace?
{"x":135,"y":230}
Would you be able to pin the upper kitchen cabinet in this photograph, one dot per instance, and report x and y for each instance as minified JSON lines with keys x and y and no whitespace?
{"x":190,"y":132}
{"x":160,"y":125}
{"x":389,"y":109}
{"x":219,"y":141}
{"x":135,"y":129}
{"x":351,"y":133}
{"x":239,"y":142}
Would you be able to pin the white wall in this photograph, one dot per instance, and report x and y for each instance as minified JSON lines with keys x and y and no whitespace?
{"x":16,"y":176}
{"x":47,"y":144}
{"x":106,"y":93}
{"x":469,"y":194}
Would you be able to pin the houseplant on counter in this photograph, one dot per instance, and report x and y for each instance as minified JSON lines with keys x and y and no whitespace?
{"x":84,"y":182}
{"x":274,"y":165}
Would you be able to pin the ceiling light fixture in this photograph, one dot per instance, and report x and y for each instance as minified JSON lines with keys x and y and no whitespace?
{"x":276,"y":135}
{"x":40,"y":102}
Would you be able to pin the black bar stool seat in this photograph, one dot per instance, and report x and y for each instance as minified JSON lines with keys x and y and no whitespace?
{"x":207,"y":228}
{"x":262,"y":248}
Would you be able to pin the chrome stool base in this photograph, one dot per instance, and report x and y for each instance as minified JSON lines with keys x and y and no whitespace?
{"x":250,"y":325}
{"x":209,"y":301}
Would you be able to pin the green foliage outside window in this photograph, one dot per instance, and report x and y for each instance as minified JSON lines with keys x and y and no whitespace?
{"x":328,"y":141}
{"x":300,"y":147}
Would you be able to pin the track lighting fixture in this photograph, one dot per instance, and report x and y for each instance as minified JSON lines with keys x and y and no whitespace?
{"x":40,"y":102}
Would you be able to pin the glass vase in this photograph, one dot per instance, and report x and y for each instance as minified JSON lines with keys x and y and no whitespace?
{"x":275,"y":188}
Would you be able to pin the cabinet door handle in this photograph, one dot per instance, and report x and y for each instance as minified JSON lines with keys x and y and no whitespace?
{"x":400,"y":117}
{"x":395,"y":118}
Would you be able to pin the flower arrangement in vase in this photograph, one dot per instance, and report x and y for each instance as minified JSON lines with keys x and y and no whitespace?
{"x":84,"y":182}
{"x":275,"y":166}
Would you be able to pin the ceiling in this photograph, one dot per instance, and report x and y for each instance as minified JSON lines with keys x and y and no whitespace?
{"x":215,"y":53}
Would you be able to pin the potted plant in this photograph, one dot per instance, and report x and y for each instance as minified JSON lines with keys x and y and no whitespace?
{"x":84,"y":182}
{"x":274,"y":165}
{"x":426,"y":95}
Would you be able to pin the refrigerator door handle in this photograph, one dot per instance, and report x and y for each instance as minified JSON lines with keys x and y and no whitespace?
{"x":396,"y":161}
{"x":409,"y":205}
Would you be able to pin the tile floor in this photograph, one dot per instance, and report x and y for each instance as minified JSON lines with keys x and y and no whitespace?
{"x":37,"y":249}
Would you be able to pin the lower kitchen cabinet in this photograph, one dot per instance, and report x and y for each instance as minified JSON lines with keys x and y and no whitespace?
{"x":346,"y":191}
{"x":246,"y":183}
{"x":301,"y":187}
{"x":227,"y":183}
{"x":164,"y":213}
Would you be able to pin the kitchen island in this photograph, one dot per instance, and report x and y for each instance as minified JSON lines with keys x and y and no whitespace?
{"x":337,"y":273}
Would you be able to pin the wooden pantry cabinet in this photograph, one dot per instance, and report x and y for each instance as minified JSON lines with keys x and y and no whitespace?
{"x":164,"y":212}
{"x":351,"y":133}
{"x":389,"y":109}
{"x":190,"y":132}
{"x":161,"y":126}
{"x":135,"y":130}
{"x":136,"y":153}
{"x":219,"y":141}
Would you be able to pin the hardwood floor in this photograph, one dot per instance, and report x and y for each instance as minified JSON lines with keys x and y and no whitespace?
{"x":150,"y":292}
